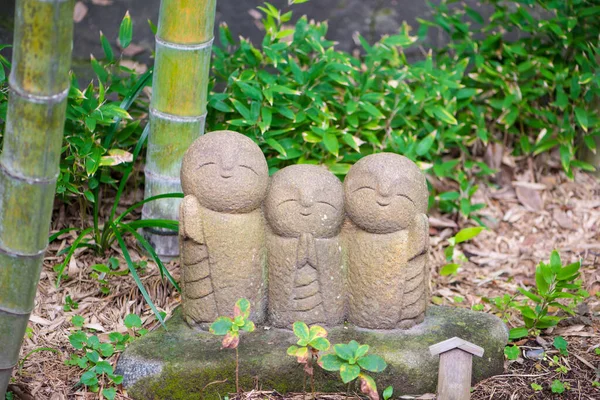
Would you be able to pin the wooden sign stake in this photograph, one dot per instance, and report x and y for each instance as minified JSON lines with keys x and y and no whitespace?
{"x":456,"y":364}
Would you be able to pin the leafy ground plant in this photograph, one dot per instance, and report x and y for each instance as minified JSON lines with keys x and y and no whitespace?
{"x":310,"y":342}
{"x":230,"y":328}
{"x":99,"y":238}
{"x":97,"y":372}
{"x":350,"y":359}
{"x":557,"y":286}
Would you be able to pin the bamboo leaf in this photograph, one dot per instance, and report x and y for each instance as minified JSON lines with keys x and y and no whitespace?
{"x":135,"y":275}
{"x":126,"y":31}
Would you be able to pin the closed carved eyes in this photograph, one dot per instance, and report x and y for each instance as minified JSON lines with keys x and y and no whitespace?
{"x":286,"y":201}
{"x":249,"y":167}
{"x":320,"y":201}
{"x":328,"y":203}
{"x":206,"y":163}
{"x":364,"y":187}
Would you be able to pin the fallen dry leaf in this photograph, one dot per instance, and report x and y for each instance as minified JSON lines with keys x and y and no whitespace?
{"x":530,"y":198}
{"x":79,"y":12}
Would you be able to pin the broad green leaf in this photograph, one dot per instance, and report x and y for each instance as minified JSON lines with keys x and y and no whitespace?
{"x":249,"y":326}
{"x":557,"y":386}
{"x":512,"y":352}
{"x":542,"y":285}
{"x":344,"y":351}
{"x":561,"y":344}
{"x":89,"y":378}
{"x":320,"y":343}
{"x":291,"y":351}
{"x":372,"y":362}
{"x":132,"y":321}
{"x":569,"y":272}
{"x":467,"y":234}
{"x":301,"y":330}
{"x":109,"y":393}
{"x":242,"y":308}
{"x":388,"y":392}
{"x":530,"y":295}
{"x":277,"y":146}
{"x":371,"y":109}
{"x":444,"y":115}
{"x":449,"y":269}
{"x":221,"y":326}
{"x":555,"y":262}
{"x":330,"y":362}
{"x":361,"y":351}
{"x":518,"y":333}
{"x":284,"y":90}
{"x":331,"y":143}
{"x":103,"y":367}
{"x":349,"y":372}
{"x":426,"y":143}
{"x":317,"y":331}
{"x":582,"y":118}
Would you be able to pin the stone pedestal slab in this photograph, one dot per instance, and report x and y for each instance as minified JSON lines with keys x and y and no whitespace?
{"x":180,"y":362}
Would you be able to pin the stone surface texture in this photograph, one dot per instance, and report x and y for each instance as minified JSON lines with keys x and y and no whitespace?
{"x":180,"y":362}
{"x":386,"y":242}
{"x":223,"y":251}
{"x":304,"y":210}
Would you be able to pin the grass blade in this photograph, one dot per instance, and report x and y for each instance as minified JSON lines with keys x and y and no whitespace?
{"x":141,"y":203}
{"x":163,"y":270}
{"x":135,"y":275}
{"x":154,"y":223}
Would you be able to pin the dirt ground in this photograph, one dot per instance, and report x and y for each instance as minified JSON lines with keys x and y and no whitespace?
{"x":533,"y":210}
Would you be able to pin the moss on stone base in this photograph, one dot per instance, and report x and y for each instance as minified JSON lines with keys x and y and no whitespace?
{"x":181,"y":362}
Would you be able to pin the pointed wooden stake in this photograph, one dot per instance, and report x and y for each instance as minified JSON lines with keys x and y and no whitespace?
{"x":456,"y":364}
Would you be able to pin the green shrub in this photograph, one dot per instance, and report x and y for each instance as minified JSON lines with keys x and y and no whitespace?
{"x":539,"y":92}
{"x":303,"y":101}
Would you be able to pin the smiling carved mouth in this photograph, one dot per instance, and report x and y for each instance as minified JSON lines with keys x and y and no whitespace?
{"x":305,"y":214}
{"x":383,"y":204}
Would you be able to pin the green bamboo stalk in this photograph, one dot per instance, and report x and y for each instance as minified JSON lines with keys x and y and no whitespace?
{"x":29,"y":162}
{"x":178,"y":107}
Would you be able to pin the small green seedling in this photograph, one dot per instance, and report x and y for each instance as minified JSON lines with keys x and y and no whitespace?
{"x":561,"y":345}
{"x":230,"y":328}
{"x":310,"y":342}
{"x":350,"y":359}
{"x":388,"y":392}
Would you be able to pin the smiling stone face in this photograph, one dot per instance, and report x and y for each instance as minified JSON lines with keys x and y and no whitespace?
{"x":226,"y":171}
{"x":305,"y":199}
{"x":384,"y":192}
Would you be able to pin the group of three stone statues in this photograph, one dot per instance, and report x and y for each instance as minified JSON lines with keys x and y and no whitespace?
{"x":300,"y":245}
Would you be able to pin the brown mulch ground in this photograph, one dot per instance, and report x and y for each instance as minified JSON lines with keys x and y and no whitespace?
{"x":531,"y":214}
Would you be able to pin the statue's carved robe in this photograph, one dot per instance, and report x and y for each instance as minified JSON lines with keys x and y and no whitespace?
{"x":388,"y":276}
{"x":306,"y":280}
{"x":223,"y":259}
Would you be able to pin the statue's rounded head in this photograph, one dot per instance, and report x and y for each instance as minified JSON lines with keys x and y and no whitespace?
{"x":305,"y":199}
{"x":384,"y":192}
{"x":226,"y":171}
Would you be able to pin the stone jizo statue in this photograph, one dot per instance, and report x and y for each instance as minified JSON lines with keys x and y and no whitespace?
{"x":329,"y":252}
{"x":304,"y":210}
{"x":387,"y":242}
{"x":223,"y":255}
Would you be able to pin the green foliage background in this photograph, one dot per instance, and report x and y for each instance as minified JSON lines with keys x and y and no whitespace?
{"x":303,"y":101}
